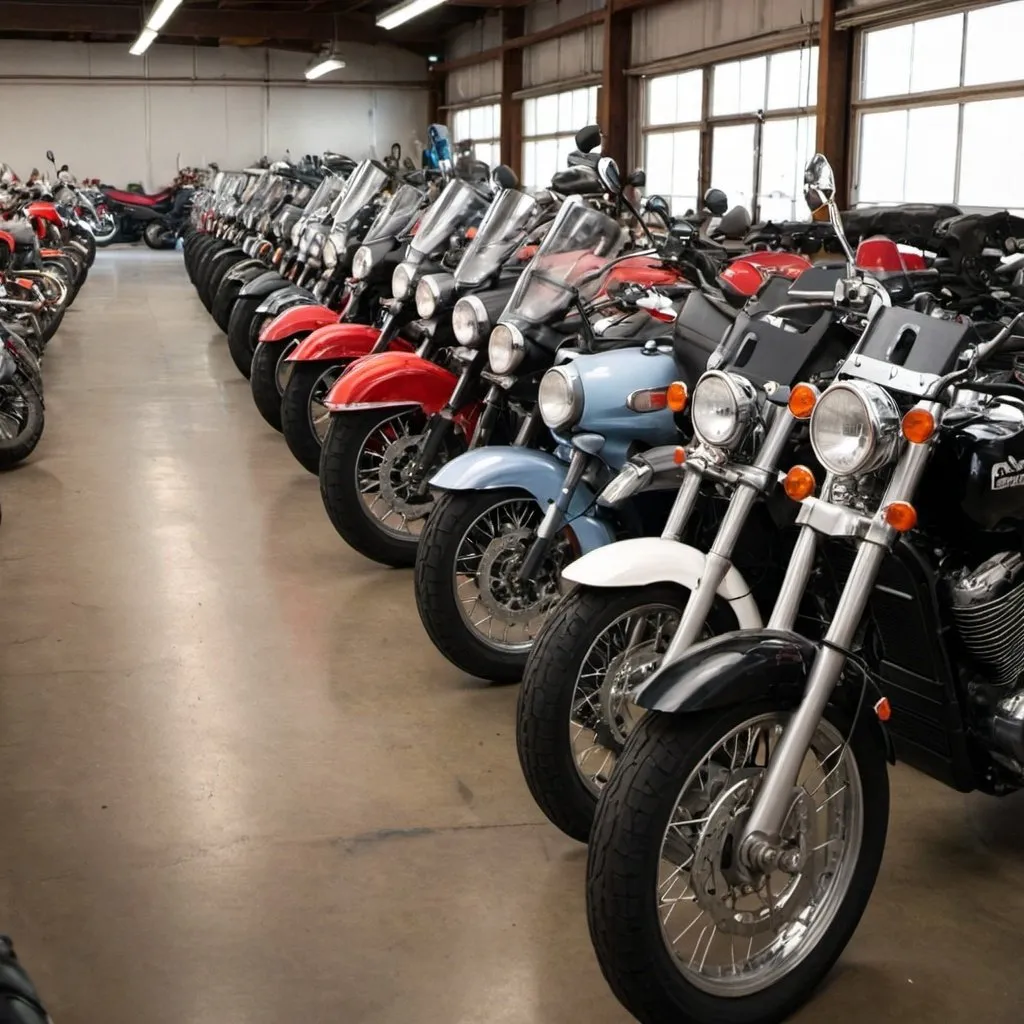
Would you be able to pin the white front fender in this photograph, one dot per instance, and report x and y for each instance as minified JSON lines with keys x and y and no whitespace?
{"x":645,"y":560}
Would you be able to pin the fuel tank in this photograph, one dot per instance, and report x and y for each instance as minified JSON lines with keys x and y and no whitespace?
{"x":990,"y":456}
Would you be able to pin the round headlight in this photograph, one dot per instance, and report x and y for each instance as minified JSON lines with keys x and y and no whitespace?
{"x":401,"y":281}
{"x":721,"y":407}
{"x":560,"y":397}
{"x":296,"y":233}
{"x":427,"y":297}
{"x":330,"y":254}
{"x":855,"y":428}
{"x":362,"y":262}
{"x":506,"y":348}
{"x":469,"y":320}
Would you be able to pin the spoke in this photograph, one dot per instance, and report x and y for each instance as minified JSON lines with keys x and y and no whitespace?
{"x":689,"y":926}
{"x":707,"y":948}
{"x":829,"y":799}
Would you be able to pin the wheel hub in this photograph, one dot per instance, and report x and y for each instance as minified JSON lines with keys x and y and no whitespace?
{"x":502,"y":592}
{"x":398,"y":486}
{"x":624,"y":675}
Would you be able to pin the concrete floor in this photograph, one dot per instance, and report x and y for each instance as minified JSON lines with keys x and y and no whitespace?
{"x":237,"y":784}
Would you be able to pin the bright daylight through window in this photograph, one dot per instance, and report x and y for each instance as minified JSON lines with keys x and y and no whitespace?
{"x":549,"y":124}
{"x":482,"y":127}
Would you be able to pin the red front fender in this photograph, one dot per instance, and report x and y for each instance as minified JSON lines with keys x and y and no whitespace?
{"x":342,"y":341}
{"x":392,"y":378}
{"x":297,"y":320}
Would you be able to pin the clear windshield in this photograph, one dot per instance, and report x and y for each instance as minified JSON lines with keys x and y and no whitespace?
{"x":323,"y":198}
{"x":459,"y":205}
{"x":580,"y":242}
{"x":501,"y":232}
{"x":366,"y":181}
{"x":397,"y":216}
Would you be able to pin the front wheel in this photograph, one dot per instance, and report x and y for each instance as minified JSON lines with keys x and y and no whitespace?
{"x":21,"y":420}
{"x":244,"y":328}
{"x":680,"y":933}
{"x":366,"y":485}
{"x":477,"y":611}
{"x":156,"y":236}
{"x":268,"y":375}
{"x":304,"y":417}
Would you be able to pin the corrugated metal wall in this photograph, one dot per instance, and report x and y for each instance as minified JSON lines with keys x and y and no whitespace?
{"x":687,"y":26}
{"x":568,"y":57}
{"x":468,"y":84}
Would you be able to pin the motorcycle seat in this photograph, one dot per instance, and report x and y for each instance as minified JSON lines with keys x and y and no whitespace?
{"x":23,"y":235}
{"x":137,"y":198}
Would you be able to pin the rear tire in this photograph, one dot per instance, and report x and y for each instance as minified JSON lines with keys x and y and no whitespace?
{"x":156,"y":236}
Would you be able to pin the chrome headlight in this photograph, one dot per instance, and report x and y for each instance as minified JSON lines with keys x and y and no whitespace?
{"x":428,"y":295}
{"x":296,"y":233}
{"x":855,"y":428}
{"x":506,"y":348}
{"x":330,"y":254}
{"x":560,"y":397}
{"x":362,"y":262}
{"x":469,"y":320}
{"x":401,"y":280}
{"x":722,"y":407}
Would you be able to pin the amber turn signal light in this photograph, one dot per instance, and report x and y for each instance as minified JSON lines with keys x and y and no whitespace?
{"x":802,"y":400}
{"x":883,"y":709}
{"x":679,"y":456}
{"x":677,"y":396}
{"x":918,"y":425}
{"x":799,"y":483}
{"x":901,"y":516}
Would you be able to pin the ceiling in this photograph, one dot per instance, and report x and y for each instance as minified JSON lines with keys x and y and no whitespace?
{"x":289,"y":24}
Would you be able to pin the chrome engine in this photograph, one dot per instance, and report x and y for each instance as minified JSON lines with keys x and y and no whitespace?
{"x":988,"y":608}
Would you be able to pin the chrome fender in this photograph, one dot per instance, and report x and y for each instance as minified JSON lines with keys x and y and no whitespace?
{"x":644,"y":560}
{"x":538,"y":473}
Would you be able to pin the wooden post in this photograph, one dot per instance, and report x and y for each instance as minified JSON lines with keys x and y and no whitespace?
{"x":513,"y":21}
{"x":835,"y":59}
{"x":613,"y":96}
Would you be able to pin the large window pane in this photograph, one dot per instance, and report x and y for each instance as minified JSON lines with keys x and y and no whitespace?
{"x":793,"y":78}
{"x":672,"y":163}
{"x":991,"y":156}
{"x":530,"y":118}
{"x":732,"y":163}
{"x":887,"y":55}
{"x":739,"y":87}
{"x":786,"y":147}
{"x":935,"y":61}
{"x":675,"y":99}
{"x":993,"y":44}
{"x":882,"y":157}
{"x":547,"y":115}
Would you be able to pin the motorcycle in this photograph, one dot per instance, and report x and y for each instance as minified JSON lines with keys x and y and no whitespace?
{"x":156,"y":218}
{"x":737,"y":843}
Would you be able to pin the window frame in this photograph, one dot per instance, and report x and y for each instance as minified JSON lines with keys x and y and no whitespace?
{"x":959,"y":96}
{"x":494,"y":142}
{"x":555,"y":136}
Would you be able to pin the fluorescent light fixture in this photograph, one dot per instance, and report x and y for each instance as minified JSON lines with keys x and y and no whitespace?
{"x":406,"y":12}
{"x":162,"y":13}
{"x":324,"y":66}
{"x":143,"y":43}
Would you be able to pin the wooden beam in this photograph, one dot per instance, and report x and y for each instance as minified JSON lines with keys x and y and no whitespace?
{"x":519,"y":42}
{"x":613,"y":115}
{"x":513,"y":24}
{"x":835,"y":61}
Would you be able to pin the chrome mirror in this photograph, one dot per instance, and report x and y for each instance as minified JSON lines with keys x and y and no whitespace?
{"x":820,"y":191}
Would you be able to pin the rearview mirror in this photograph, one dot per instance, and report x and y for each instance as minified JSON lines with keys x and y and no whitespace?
{"x":819,"y":183}
{"x":638,"y":178}
{"x":608,"y":172}
{"x":505,"y":176}
{"x":716,"y":201}
{"x":49,"y":156}
{"x":659,"y":205}
{"x":588,"y":138}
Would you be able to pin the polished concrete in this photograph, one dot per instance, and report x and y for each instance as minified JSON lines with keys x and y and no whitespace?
{"x":237,"y":784}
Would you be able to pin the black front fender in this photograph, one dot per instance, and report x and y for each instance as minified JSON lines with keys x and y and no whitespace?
{"x":731,"y":669}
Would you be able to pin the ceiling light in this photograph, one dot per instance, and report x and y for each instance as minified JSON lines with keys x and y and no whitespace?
{"x":324,"y":65}
{"x":143,"y":43}
{"x":162,"y":13}
{"x":406,"y":12}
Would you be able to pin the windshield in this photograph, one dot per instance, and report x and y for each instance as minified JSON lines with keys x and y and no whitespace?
{"x":324,"y":196}
{"x":459,"y":205}
{"x":580,"y":242}
{"x":366,"y":181}
{"x":397,"y":216}
{"x":501,"y":232}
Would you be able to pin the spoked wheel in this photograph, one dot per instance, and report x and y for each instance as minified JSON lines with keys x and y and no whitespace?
{"x":366,"y":481}
{"x":480,"y":615}
{"x":21,"y":420}
{"x":304,"y":417}
{"x":268,"y":376}
{"x":106,"y":231}
{"x":575,"y":710}
{"x":682,"y":933}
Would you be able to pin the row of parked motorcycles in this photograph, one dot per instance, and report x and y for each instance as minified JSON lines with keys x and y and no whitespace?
{"x":741,"y":505}
{"x":46,"y":250}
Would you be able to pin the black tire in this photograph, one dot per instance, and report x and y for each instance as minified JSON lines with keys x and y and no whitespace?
{"x":543,"y":713}
{"x":244,"y":328}
{"x":219,"y":271}
{"x":224,"y":303}
{"x":16,"y":449}
{"x":263,"y":380}
{"x":622,"y":870}
{"x":339,"y":490}
{"x":296,"y":416}
{"x":157,"y":236}
{"x":436,"y":600}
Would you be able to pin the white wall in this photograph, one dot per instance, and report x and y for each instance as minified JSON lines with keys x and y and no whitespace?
{"x":121,"y":118}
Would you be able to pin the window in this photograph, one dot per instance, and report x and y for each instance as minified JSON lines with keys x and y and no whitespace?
{"x":549,"y":125}
{"x":760,"y":105}
{"x":917,"y":141}
{"x":482,"y":127}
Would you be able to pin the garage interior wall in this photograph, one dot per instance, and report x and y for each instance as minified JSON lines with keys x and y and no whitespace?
{"x":122,"y":118}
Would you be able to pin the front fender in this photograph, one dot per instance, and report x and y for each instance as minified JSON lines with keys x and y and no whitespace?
{"x":342,"y":341}
{"x":247,"y":270}
{"x":267,"y":283}
{"x":526,"y":469}
{"x":287,"y":297}
{"x":392,"y":378}
{"x":298,"y":320}
{"x":641,"y":561}
{"x":734,"y":668}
